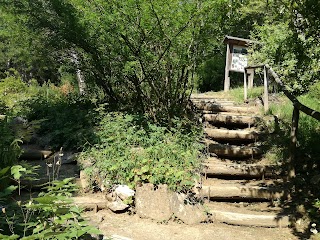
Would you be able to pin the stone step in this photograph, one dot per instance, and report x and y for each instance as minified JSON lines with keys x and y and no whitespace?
{"x":266,"y":216}
{"x":218,"y":167}
{"x":230,"y":119}
{"x":232,"y":151}
{"x":232,"y":135}
{"x":214,"y":107}
{"x":241,"y":190}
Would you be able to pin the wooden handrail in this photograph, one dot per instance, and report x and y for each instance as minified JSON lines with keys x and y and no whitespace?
{"x":311,"y":112}
{"x":297,"y":106}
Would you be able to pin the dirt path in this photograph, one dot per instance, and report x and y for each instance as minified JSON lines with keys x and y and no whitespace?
{"x":135,"y":228}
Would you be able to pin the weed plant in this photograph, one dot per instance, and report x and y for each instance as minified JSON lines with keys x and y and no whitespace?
{"x":131,"y":151}
{"x":50,"y":215}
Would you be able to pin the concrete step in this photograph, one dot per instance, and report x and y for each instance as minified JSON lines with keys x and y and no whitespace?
{"x":218,"y":167}
{"x":263,"y":216}
{"x":232,"y":151}
{"x":243,"y":190}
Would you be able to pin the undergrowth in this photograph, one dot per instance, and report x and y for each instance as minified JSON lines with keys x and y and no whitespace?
{"x":305,"y":194}
{"x":50,"y":215}
{"x":131,"y":151}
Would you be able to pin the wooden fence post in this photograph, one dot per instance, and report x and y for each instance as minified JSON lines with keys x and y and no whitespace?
{"x":293,"y":143}
{"x":245,"y":93}
{"x":227,"y":70}
{"x":266,"y":93}
{"x":250,"y":72}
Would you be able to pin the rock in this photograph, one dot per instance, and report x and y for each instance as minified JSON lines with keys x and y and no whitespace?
{"x":188,"y":213}
{"x":160,"y":204}
{"x":68,"y":157}
{"x":124,"y":192}
{"x":111,"y":197}
{"x":117,"y":237}
{"x":19,"y":121}
{"x":117,"y":206}
{"x":153,"y":203}
{"x":84,"y":181}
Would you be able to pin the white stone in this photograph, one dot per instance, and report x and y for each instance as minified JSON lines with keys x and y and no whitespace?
{"x":124,"y":192}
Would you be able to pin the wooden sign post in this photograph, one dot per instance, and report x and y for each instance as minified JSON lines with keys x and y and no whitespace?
{"x":236,"y":61}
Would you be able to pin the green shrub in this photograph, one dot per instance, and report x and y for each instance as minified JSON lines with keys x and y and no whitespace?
{"x":66,"y":120}
{"x":51,"y":215}
{"x":131,"y":150}
{"x":314,"y":90}
{"x":13,"y":91}
{"x":9,"y":145}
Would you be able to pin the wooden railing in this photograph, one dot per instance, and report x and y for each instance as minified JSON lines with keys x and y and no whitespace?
{"x":297,"y":107}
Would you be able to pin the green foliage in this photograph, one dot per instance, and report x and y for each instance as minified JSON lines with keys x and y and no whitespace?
{"x":22,"y":48}
{"x":286,"y":45}
{"x":65,"y":120}
{"x":9,"y":145}
{"x":211,"y":75}
{"x":315,"y":91}
{"x":308,"y":130}
{"x":48,"y":216}
{"x":13,"y":92}
{"x":131,"y":150}
{"x":143,"y":54}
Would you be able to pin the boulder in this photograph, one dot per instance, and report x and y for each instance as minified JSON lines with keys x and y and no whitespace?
{"x":188,"y":213}
{"x":161,"y":204}
{"x":84,"y":181}
{"x":153,"y":202}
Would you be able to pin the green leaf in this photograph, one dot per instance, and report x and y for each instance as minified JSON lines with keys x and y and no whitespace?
{"x":46,"y":199}
{"x":7,"y":191}
{"x":17,"y":171}
{"x":4,"y":171}
{"x":11,"y":237}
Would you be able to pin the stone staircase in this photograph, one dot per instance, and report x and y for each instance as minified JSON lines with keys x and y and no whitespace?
{"x":240,"y":186}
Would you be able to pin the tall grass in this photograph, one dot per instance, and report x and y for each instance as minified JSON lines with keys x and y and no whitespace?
{"x":237,"y":94}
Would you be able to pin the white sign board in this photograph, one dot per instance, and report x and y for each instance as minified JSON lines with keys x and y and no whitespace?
{"x":239,"y":59}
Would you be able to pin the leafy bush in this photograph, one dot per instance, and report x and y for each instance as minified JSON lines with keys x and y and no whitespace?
{"x":314,"y":91}
{"x":66,"y":120}
{"x":48,"y":216}
{"x":13,"y":91}
{"x":211,"y":74}
{"x":131,"y":151}
{"x":9,"y":146}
